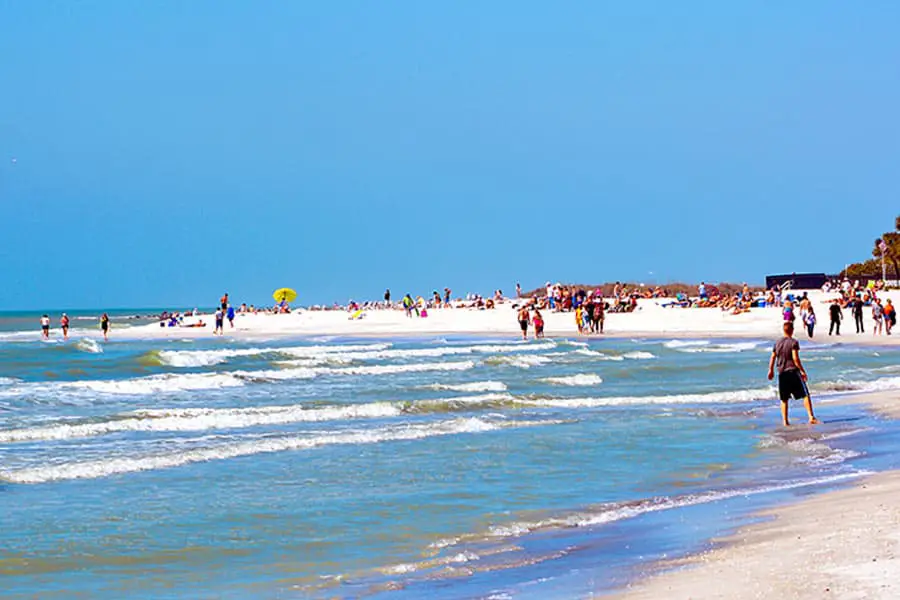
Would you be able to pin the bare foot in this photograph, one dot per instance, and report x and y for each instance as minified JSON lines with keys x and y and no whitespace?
{"x":815,"y":421}
{"x":786,"y":424}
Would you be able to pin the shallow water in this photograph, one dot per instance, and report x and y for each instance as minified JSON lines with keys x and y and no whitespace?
{"x":453,"y":468}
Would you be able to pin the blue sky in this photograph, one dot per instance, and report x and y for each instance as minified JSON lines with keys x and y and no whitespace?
{"x":161,"y":153}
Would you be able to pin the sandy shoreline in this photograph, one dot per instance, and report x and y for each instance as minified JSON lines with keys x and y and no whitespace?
{"x":840,"y":544}
{"x":652,"y":319}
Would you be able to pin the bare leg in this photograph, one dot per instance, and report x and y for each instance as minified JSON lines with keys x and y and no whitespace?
{"x":784,"y":413}
{"x":807,"y":402}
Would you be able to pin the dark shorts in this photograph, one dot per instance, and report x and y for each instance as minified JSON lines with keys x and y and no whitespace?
{"x":790,"y":384}
{"x":523,"y":325}
{"x":45,"y":328}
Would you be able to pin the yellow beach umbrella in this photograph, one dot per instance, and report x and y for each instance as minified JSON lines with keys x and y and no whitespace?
{"x":284,"y":295}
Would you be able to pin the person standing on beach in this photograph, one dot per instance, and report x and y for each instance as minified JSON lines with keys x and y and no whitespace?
{"x":599,"y":312}
{"x":538,"y":322}
{"x":836,"y":317}
{"x":223,"y":301}
{"x":877,"y":315}
{"x":387,"y":298}
{"x":230,"y":314}
{"x":809,"y":319}
{"x":589,"y":308}
{"x":524,"y":319}
{"x":64,"y":325}
{"x":409,"y":305}
{"x":858,"y":314}
{"x":45,"y":327}
{"x":791,"y":374}
{"x":518,"y":290}
{"x":890,"y":316}
{"x":578,"y":319}
{"x":788,"y":312}
{"x":104,"y":326}
{"x":220,"y":322}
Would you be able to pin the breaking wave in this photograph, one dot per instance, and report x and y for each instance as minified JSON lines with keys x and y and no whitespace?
{"x":576,"y":380}
{"x":200,"y":419}
{"x":115,"y":466}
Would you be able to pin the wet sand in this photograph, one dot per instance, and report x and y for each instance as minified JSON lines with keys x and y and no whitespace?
{"x":843,"y":544}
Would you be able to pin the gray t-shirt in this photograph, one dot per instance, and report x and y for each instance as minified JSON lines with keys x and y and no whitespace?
{"x":784,"y":356}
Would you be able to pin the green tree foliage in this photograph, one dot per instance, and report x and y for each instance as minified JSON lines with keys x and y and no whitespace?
{"x":891,"y":256}
{"x":892,"y":253}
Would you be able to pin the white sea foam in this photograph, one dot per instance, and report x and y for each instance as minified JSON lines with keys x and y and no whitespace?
{"x":310,"y":372}
{"x":115,"y":465}
{"x":178,"y":382}
{"x":596,"y":355}
{"x":719,"y":348}
{"x":678,"y":344}
{"x":474,"y":386}
{"x":639,"y":355}
{"x":734,"y":396}
{"x":811,"y":450}
{"x":525,"y":361}
{"x":155,"y":384}
{"x":840,"y":385}
{"x":346,"y":354}
{"x":8,"y":381}
{"x":88,"y":345}
{"x":610,"y":513}
{"x":204,"y":358}
{"x":576,"y":380}
{"x":200,"y":419}
{"x":413,"y":353}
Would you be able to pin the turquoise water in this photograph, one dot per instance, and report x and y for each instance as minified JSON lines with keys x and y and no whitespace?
{"x":396,"y":468}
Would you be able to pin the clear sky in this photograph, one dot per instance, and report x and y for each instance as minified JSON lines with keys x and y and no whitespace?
{"x":161,"y":153}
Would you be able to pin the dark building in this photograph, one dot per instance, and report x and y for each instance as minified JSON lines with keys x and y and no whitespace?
{"x":799,"y":281}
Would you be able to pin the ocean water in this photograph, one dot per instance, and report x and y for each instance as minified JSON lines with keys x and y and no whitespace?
{"x":399,"y":468}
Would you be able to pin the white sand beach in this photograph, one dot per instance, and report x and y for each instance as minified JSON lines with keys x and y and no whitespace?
{"x":651,"y":318}
{"x":843,"y":544}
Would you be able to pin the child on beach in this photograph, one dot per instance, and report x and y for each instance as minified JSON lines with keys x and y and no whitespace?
{"x":220,"y":322}
{"x":578,"y":319}
{"x":230,"y":314}
{"x":45,"y":327}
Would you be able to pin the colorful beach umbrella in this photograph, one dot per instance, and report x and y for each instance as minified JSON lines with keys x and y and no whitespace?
{"x":284,"y":295}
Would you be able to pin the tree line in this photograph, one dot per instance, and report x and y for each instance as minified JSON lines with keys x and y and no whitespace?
{"x":872,"y":266}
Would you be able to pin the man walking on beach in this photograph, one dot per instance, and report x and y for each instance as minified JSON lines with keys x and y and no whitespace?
{"x":837,"y":316}
{"x":857,"y":311}
{"x":524,"y":319}
{"x":791,"y":374}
